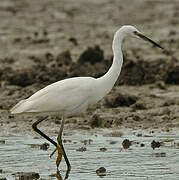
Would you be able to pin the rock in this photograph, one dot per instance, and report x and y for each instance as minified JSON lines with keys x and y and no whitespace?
{"x":126,"y":144}
{"x":101,"y":171}
{"x":103,"y":149}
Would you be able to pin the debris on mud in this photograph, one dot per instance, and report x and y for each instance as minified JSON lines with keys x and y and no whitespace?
{"x":82,"y":149}
{"x":87,"y":141}
{"x":162,"y":154}
{"x":43,"y":146}
{"x":26,"y":175}
{"x":112,"y":142}
{"x":101,"y":171}
{"x":155,"y":144}
{"x":67,"y":141}
{"x":126,"y":143}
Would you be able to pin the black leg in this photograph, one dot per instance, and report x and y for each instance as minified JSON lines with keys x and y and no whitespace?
{"x":34,"y":127}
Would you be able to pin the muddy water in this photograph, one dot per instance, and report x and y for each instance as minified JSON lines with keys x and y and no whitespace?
{"x":137,"y":162}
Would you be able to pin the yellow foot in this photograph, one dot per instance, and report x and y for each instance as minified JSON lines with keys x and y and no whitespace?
{"x":53,"y":152}
{"x":59,"y":156}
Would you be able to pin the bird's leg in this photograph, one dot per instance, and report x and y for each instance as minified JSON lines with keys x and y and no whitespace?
{"x":34,"y":127}
{"x":60,"y":148}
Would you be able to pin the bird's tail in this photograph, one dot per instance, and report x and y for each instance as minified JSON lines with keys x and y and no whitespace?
{"x":17,"y":108}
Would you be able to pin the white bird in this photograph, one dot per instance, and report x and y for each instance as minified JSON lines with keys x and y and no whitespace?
{"x":73,"y":96}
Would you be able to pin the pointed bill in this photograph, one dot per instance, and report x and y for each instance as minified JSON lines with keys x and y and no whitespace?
{"x":147,"y":39}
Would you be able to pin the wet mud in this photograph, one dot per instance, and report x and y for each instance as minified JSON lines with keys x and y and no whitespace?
{"x":46,"y":41}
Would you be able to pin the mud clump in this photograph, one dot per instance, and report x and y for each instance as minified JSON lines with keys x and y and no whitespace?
{"x":26,"y":175}
{"x":119,"y":99}
{"x":155,"y":144}
{"x":172,"y":76}
{"x":99,"y":121}
{"x":139,"y":105}
{"x":162,"y":154}
{"x":126,"y":143}
{"x":101,"y":171}
{"x":2,"y":142}
{"x":148,"y":72}
{"x":90,"y":63}
{"x":91,"y":55}
{"x":21,"y":78}
{"x":82,"y":149}
{"x":96,"y":121}
{"x":44,"y":146}
{"x":103,"y":149}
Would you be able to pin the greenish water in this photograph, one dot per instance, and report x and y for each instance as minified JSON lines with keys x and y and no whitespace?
{"x":135,"y":163}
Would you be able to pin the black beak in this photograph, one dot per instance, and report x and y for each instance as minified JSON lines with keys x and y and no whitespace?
{"x":147,"y":39}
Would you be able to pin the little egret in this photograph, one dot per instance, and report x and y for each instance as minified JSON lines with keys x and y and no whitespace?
{"x":73,"y":96}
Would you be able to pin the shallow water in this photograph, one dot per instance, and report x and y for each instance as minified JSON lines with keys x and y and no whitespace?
{"x":135,"y":163}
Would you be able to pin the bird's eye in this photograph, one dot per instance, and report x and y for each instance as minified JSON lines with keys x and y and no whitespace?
{"x":135,"y":32}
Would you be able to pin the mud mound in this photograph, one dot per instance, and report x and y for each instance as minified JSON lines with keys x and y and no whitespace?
{"x":143,"y":72}
{"x":173,"y":75}
{"x":91,"y":62}
{"x":119,"y":99}
{"x":92,"y":55}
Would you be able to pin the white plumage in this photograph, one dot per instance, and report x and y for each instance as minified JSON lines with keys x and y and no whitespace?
{"x":72,"y":96}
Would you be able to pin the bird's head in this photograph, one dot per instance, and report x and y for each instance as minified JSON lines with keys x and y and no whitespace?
{"x":131,"y":31}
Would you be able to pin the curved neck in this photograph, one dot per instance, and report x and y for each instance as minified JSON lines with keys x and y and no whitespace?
{"x":108,"y":80}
